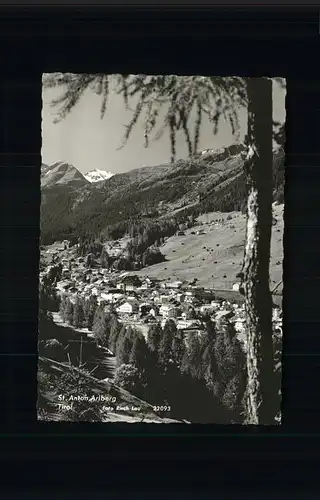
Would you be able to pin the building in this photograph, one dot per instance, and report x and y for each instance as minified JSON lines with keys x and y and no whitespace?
{"x":215,"y":304}
{"x":206,"y":308}
{"x":128,"y":307}
{"x":220,"y":315}
{"x":164,"y":299}
{"x":183,"y":324}
{"x":155,"y":282}
{"x":207,"y":151}
{"x":180,"y":297}
{"x":130,"y":283}
{"x":189,"y":297}
{"x":111,"y":295}
{"x":175,"y":284}
{"x":168,"y":311}
{"x":236,"y":287}
{"x":145,"y":286}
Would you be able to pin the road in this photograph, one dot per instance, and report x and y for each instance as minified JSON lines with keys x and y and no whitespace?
{"x":93,"y":356}
{"x":106,"y":366}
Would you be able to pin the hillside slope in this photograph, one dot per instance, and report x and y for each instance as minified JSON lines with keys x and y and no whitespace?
{"x":126,"y":408}
{"x":206,"y":183}
{"x":215,"y":257}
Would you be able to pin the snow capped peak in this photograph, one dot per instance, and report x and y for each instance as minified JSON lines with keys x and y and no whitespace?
{"x":97,"y":175}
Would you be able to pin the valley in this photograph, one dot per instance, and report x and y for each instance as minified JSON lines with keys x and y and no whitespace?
{"x":144,"y":267}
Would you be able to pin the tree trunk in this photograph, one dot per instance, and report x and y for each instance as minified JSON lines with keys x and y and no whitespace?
{"x":261,"y":397}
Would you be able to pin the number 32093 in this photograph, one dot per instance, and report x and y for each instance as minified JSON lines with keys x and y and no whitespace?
{"x":161,"y":408}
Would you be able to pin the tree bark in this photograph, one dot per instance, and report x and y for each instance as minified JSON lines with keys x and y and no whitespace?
{"x":261,"y":397}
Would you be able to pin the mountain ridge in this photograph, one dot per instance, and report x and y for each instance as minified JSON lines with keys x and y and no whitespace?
{"x":61,"y":173}
{"x":97,"y":175}
{"x":213,"y":181}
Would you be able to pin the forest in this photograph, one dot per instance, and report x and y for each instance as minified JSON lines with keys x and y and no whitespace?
{"x":195,"y":376}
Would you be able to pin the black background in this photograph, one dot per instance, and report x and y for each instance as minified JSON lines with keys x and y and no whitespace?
{"x":258,"y":42}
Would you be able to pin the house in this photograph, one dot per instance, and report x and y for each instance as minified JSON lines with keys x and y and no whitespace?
{"x":236,"y":287}
{"x":106,"y":296}
{"x":147,"y":283}
{"x":223,"y":315}
{"x":180,"y":297}
{"x":182,"y":324}
{"x":174,"y":284}
{"x":206,"y":151}
{"x":128,"y":307}
{"x":168,"y":311}
{"x":130,"y":283}
{"x":189,"y":297}
{"x":215,"y":304}
{"x":226,"y":305}
{"x":164,"y":299}
{"x":206,"y":308}
{"x":112,"y":295}
{"x":154,"y":282}
{"x":145,"y":286}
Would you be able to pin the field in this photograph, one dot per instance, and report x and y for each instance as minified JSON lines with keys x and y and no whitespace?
{"x":215,"y":257}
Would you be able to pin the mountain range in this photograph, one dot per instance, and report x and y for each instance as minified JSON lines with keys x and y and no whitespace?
{"x":97,"y":175}
{"x":75,"y":204}
{"x":62,"y":173}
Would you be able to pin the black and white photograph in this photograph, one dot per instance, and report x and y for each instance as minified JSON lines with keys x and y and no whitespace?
{"x":161,"y":249}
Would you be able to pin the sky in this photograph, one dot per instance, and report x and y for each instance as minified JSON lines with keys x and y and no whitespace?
{"x":87,"y":142}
